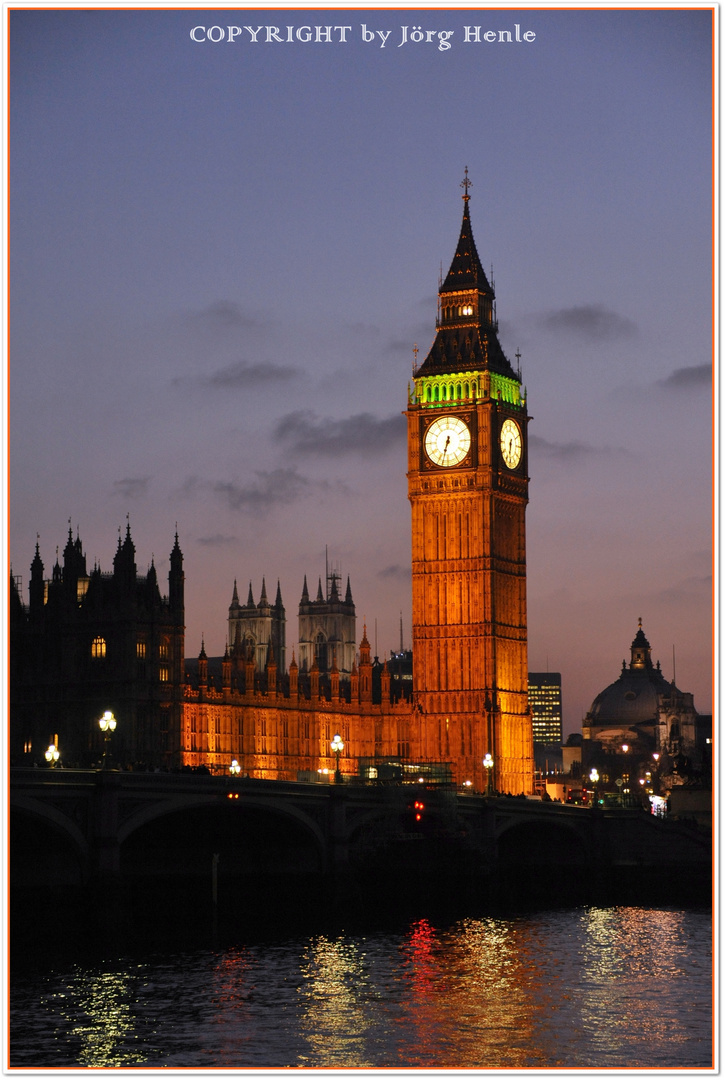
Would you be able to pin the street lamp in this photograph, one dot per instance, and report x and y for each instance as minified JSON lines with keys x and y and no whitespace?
{"x":235,"y":768}
{"x":594,"y":777}
{"x":488,"y":766}
{"x":107,"y":724}
{"x":337,"y":747}
{"x":52,"y":755}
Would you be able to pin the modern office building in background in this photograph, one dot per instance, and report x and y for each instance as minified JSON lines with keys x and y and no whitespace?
{"x":545,"y":704}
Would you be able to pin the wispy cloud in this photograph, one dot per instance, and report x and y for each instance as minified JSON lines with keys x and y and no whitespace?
{"x":132,"y":487}
{"x":222,"y":315}
{"x":591,"y":322}
{"x":244,"y":375}
{"x":396,"y":572}
{"x":685,"y":591}
{"x":697,"y":377}
{"x":277,"y":488}
{"x":216,"y":541}
{"x":570,"y":451}
{"x":305,"y":433}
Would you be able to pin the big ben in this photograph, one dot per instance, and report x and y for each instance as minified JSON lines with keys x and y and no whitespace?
{"x":468,"y":489}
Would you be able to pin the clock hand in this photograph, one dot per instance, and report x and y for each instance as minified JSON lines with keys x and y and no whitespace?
{"x":445,"y":448}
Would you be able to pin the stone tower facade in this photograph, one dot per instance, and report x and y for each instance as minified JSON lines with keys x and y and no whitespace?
{"x":327,"y":628}
{"x":468,"y":489}
{"x":258,"y":628}
{"x":92,"y":641}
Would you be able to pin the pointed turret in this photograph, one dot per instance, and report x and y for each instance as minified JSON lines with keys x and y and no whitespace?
{"x":319,"y":598}
{"x":641,"y":651}
{"x":176,"y":580}
{"x":466,"y":330}
{"x":124,"y":562}
{"x":305,"y":598}
{"x":152,"y":584}
{"x":348,"y":592}
{"x":203,"y":666}
{"x":37,"y":586}
{"x":250,"y":598}
{"x":293,"y":677}
{"x":226,"y":669}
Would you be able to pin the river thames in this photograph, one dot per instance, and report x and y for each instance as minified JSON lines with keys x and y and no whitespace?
{"x":589,"y":987}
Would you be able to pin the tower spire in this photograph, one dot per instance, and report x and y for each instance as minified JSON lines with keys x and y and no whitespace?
{"x":465,"y":184}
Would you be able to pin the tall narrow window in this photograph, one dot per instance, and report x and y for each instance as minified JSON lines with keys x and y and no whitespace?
{"x":98,"y":648}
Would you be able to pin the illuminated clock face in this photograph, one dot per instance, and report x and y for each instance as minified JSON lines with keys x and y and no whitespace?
{"x":447,"y":441}
{"x":511,"y":443}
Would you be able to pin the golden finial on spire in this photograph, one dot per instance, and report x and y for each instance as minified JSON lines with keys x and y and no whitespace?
{"x":465,"y":184}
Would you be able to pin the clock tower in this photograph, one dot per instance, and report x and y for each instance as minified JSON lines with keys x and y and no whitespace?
{"x":468,"y":489}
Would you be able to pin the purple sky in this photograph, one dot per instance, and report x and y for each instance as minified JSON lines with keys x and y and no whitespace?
{"x":221,"y":256}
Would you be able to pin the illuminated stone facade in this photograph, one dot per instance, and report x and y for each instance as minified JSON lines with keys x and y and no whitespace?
{"x":276,"y":716}
{"x":468,"y":488}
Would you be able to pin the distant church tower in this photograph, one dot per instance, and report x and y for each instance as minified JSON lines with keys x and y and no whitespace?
{"x":468,"y":488}
{"x":327,"y":627}
{"x":254,"y":628}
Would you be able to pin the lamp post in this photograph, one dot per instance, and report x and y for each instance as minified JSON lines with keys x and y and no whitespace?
{"x":488,"y":766}
{"x":337,"y":746}
{"x":235,"y":768}
{"x":107,"y":724}
{"x":52,"y":755}
{"x":594,"y":777}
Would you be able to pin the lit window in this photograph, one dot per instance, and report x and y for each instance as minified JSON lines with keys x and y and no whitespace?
{"x":140,"y":650}
{"x":164,"y":650}
{"x":163,"y":673}
{"x":98,"y":648}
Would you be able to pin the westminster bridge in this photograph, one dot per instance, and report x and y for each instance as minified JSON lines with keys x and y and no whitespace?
{"x":98,"y":832}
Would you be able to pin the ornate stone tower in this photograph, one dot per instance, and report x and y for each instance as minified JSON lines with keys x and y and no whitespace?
{"x":468,"y":488}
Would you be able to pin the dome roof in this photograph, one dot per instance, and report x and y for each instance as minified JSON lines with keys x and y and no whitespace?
{"x":633,"y":698}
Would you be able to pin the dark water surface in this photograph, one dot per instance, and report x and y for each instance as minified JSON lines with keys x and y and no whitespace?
{"x":588,"y":987}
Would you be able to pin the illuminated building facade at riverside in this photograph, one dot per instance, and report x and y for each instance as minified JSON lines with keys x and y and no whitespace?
{"x":88,"y":643}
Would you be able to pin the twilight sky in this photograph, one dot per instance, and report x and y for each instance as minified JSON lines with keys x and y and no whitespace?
{"x":222,"y":254}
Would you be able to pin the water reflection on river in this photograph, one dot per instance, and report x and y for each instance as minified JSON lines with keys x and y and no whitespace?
{"x":593,"y":988}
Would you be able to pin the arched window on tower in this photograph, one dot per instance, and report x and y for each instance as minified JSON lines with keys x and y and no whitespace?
{"x":98,"y":648}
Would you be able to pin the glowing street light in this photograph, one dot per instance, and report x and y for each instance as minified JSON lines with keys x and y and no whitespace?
{"x":235,"y":768}
{"x":488,"y":766}
{"x":337,"y":746}
{"x":52,"y":755}
{"x":594,"y":778}
{"x":107,"y":724}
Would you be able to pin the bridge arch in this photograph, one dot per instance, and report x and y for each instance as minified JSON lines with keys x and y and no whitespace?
{"x":250,"y":835}
{"x":544,"y":861}
{"x":46,"y":844}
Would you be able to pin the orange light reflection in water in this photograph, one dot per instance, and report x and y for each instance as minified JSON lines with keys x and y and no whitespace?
{"x":473,"y":992}
{"x":337,"y":1017}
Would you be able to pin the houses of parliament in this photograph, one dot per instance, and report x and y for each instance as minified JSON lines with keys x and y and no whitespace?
{"x":89,"y":641}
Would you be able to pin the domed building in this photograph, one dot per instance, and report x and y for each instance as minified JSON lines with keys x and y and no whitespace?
{"x":642,"y":716}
